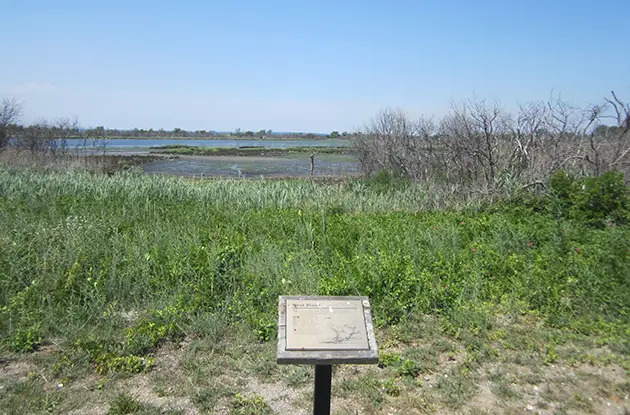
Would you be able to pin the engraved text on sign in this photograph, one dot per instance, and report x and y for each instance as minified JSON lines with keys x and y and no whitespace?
{"x":326,"y":325}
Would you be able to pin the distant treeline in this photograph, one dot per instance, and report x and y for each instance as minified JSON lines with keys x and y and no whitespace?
{"x":71,"y":129}
{"x":45,"y":135}
{"x":181,"y":133}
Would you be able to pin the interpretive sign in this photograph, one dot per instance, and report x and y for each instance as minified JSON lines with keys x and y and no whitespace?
{"x":325,"y":330}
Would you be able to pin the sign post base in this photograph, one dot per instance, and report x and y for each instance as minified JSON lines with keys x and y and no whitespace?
{"x":323,"y":382}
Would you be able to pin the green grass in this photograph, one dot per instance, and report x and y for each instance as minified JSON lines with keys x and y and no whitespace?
{"x":107,"y":269}
{"x":256,"y":405}
{"x":125,"y":403}
{"x":29,"y":396}
{"x":163,"y":251}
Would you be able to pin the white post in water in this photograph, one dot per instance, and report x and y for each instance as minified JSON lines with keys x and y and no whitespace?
{"x":324,"y":331}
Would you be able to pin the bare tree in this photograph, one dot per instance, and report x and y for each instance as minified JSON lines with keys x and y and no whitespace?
{"x":394,"y":143}
{"x":473,"y":135}
{"x":526,"y":136}
{"x":47,"y":137}
{"x":483,"y":148}
{"x":10,"y":112}
{"x":621,"y":150}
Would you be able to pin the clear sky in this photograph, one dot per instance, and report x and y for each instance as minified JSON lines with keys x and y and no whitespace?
{"x":302,"y":65}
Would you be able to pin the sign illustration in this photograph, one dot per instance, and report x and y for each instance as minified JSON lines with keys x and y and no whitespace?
{"x":326,"y":325}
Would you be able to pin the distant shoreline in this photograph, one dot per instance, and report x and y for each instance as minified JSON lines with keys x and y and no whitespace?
{"x":218,"y":137}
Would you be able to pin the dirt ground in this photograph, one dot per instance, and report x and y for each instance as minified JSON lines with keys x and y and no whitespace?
{"x":430,"y":373}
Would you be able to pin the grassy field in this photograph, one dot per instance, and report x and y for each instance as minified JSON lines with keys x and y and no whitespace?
{"x":144,"y":294}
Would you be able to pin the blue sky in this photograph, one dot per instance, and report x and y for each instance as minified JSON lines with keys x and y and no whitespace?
{"x":302,"y":65}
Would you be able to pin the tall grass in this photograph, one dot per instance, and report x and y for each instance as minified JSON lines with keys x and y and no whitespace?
{"x":107,"y":267}
{"x":355,"y":195}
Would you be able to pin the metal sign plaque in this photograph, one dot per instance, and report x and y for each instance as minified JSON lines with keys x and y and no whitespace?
{"x":326,"y":325}
{"x":325,"y":330}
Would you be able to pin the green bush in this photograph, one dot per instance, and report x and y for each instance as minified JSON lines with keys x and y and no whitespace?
{"x":601,"y":200}
{"x":595,"y":201}
{"x":265,"y":329}
{"x":107,"y":363}
{"x":389,"y":360}
{"x":256,"y":405}
{"x":409,"y":369}
{"x":391,"y":388}
{"x":562,"y":185}
{"x":26,"y":339}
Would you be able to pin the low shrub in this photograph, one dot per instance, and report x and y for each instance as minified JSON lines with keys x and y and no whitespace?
{"x":26,"y":339}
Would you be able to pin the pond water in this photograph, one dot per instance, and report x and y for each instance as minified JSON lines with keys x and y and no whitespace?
{"x":293,"y":165}
{"x":234,"y":166}
{"x":143,"y":144}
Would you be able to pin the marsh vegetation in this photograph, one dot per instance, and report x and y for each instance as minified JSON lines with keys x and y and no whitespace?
{"x":166,"y":289}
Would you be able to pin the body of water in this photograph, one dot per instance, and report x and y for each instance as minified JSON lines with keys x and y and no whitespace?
{"x":234,"y":166}
{"x":292,"y":165}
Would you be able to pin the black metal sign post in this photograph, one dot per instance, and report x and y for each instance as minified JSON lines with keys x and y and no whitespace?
{"x":325,"y":331}
{"x":323,"y":382}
